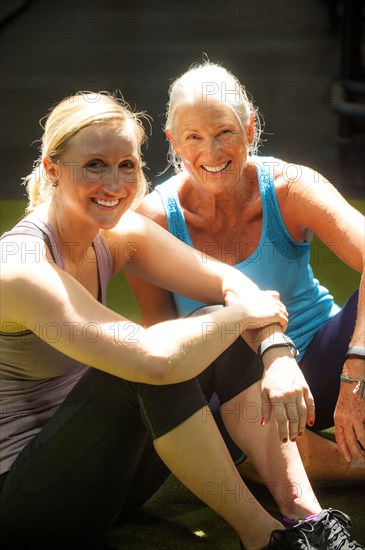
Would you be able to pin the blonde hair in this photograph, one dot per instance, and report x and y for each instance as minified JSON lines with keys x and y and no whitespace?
{"x":67,"y":118}
{"x":210,"y":80}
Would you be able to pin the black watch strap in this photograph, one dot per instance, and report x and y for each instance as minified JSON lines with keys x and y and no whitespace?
{"x":277,"y":341}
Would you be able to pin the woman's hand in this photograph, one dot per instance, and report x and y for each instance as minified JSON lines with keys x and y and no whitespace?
{"x":285,"y":394}
{"x":349,"y":416}
{"x":263,"y":308}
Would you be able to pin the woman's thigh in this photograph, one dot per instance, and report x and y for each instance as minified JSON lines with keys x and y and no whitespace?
{"x":73,"y":476}
{"x":77,"y":474}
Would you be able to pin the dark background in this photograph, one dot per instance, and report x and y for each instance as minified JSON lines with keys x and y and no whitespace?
{"x":291,"y":55}
{"x":288,"y":53}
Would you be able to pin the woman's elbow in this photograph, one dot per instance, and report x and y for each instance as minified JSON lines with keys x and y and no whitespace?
{"x":160,"y":370}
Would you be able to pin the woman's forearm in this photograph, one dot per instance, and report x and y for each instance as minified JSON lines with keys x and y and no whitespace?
{"x":192,"y":344}
{"x":354,"y":366}
{"x":165,"y":353}
{"x":358,"y":337}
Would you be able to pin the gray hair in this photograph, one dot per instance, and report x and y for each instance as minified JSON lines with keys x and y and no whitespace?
{"x":210,"y":80}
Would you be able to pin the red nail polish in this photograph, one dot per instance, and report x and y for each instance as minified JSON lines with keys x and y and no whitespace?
{"x":262,"y":421}
{"x":300,"y":434}
{"x":311,"y":423}
{"x":294,"y":439}
{"x":285,"y":440}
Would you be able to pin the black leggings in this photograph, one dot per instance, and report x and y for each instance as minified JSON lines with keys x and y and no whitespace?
{"x":90,"y":462}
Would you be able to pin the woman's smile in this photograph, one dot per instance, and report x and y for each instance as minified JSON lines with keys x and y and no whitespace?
{"x":215,"y":168}
{"x":104,"y":203}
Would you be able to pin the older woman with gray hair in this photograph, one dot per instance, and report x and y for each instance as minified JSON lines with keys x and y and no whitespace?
{"x":258,"y":214}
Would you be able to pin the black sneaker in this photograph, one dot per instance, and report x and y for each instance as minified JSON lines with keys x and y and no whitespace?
{"x":328,"y":531}
{"x":291,"y":538}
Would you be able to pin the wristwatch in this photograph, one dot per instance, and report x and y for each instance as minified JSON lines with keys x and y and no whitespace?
{"x":277,"y":340}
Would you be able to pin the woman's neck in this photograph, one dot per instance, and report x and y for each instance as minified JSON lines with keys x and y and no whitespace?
{"x":73,"y":234}
{"x":203,"y":207}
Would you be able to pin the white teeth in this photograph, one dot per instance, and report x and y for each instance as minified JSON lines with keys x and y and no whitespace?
{"x":103,"y":202}
{"x":215,"y":168}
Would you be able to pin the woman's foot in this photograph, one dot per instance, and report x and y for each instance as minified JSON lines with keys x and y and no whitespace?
{"x":326,"y":530}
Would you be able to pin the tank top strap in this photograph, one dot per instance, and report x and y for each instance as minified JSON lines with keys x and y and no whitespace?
{"x":174,"y":214}
{"x":43,"y":231}
{"x":276,"y":230}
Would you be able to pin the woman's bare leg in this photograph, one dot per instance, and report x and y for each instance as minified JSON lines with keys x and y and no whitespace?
{"x":312,"y":448}
{"x":278,"y":465}
{"x":196,"y":454}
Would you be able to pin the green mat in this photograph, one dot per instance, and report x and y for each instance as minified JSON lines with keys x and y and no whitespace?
{"x":173,"y":518}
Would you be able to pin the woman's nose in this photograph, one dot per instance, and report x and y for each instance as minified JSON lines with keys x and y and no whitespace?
{"x":116,"y":179}
{"x":214,"y":146}
{"x":112,"y":178}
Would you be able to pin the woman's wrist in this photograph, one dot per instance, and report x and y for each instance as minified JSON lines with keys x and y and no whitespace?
{"x":254,"y":336}
{"x":353,"y":373}
{"x":273,"y":355}
{"x":357,"y":383}
{"x":277,"y":340}
{"x":354,"y":366}
{"x":356,"y":351}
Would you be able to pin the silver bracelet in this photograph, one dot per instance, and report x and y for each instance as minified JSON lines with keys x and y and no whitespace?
{"x":356,"y":351}
{"x":277,"y":340}
{"x":359,"y":382}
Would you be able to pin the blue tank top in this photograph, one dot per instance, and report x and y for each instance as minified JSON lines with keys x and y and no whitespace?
{"x":278,"y":263}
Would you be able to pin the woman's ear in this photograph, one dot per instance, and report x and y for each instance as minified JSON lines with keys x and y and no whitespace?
{"x":172,"y":141}
{"x":250,"y":129}
{"x":52,"y":170}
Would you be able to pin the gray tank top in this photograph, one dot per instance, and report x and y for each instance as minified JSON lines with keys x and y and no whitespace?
{"x":35,"y":378}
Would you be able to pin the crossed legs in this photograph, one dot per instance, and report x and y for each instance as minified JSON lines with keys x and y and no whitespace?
{"x":74,"y":478}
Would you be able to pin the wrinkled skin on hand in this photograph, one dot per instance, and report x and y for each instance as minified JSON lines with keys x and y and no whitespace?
{"x":349,"y":416}
{"x":262,"y":307}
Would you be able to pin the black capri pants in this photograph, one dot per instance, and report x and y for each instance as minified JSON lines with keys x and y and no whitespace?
{"x":90,"y":462}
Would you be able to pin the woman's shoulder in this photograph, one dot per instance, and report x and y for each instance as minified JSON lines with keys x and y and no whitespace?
{"x":132,"y":227}
{"x":152,"y":205}
{"x":283,"y":173}
{"x":16,"y":242}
